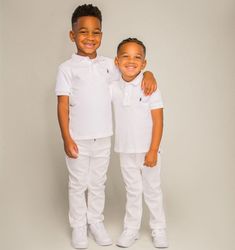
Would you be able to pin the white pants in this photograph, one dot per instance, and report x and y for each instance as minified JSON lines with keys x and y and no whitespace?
{"x":88,"y":172}
{"x":139,"y":180}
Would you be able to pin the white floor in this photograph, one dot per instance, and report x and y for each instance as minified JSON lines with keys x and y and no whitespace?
{"x":40,"y":223}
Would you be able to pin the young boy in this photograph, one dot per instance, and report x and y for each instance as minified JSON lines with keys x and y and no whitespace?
{"x":138,"y":132}
{"x":84,"y":114}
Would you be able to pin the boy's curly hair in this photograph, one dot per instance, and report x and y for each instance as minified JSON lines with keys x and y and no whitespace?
{"x":86,"y":10}
{"x":131,"y":40}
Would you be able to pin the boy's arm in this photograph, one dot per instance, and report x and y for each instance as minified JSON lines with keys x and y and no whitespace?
{"x":70,"y":146}
{"x":149,"y":83}
{"x":157,"y":129}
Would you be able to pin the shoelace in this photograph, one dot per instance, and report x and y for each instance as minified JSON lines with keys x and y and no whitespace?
{"x":159,"y":234}
{"x":100,"y":228}
{"x":128,"y":233}
{"x":160,"y":238}
{"x":82,"y":232}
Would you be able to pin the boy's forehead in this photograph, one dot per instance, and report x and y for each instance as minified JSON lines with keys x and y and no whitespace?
{"x":131,"y":46}
{"x":87,"y":21}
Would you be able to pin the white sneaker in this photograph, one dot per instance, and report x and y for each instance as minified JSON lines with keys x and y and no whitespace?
{"x":159,"y":238}
{"x":79,"y":237}
{"x":127,"y":238}
{"x":100,"y":234}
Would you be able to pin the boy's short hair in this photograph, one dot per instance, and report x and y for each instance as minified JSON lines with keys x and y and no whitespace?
{"x":86,"y":10}
{"x":131,"y":40}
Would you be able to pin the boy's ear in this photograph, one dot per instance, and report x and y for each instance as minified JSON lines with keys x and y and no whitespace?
{"x":71,"y":35}
{"x":116,"y":61}
{"x":144,"y":64}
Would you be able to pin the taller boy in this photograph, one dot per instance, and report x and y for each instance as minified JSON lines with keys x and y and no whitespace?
{"x":85,"y":118}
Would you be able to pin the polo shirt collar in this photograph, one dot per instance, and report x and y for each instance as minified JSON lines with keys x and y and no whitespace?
{"x":79,"y":58}
{"x":134,"y":82}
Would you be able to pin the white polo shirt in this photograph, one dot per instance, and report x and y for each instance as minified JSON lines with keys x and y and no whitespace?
{"x":86,"y":82}
{"x":132,"y":112}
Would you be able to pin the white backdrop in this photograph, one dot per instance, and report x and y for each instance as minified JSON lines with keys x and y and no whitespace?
{"x":191,"y":49}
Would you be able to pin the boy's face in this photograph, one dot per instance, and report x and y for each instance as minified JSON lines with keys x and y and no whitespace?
{"x":86,"y":33}
{"x":130,"y":60}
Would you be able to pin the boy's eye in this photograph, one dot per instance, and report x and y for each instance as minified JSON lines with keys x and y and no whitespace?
{"x":97,"y":33}
{"x":83,"y":32}
{"x":86,"y":33}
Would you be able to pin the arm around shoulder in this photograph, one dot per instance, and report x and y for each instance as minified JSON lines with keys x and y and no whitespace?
{"x":149,"y":83}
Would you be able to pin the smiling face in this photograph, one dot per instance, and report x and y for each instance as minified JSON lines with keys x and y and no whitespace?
{"x":86,"y":33}
{"x":130,"y":60}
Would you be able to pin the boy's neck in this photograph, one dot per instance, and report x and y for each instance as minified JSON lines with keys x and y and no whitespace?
{"x":129,"y":79}
{"x":91,"y":56}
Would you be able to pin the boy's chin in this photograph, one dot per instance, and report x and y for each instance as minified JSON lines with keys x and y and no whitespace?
{"x":128,"y":77}
{"x":131,"y":75}
{"x":91,"y":54}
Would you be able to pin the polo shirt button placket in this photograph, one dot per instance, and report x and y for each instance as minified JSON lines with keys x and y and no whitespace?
{"x":126,"y":98}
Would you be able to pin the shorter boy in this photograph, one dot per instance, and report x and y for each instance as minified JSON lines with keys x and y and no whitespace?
{"x":138,"y":132}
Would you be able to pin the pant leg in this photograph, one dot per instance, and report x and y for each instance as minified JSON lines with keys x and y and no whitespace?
{"x":99,"y":161}
{"x":78,"y":183}
{"x":130,"y":169}
{"x":153,"y":195}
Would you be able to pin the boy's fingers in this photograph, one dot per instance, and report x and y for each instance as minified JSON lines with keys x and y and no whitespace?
{"x":150,"y":165}
{"x":75,"y":154}
{"x":146,"y":91}
{"x":142,"y":85}
{"x":151,"y":89}
{"x":76,"y":149}
{"x":146,"y":163}
{"x":69,"y":155}
{"x":72,"y":153}
{"x":67,"y":152}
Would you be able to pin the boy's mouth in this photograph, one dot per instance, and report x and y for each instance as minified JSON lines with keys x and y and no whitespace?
{"x":89,"y":45}
{"x":130,"y":67}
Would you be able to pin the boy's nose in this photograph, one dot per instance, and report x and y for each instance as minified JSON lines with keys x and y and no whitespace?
{"x":131,"y":59}
{"x":90,"y":36}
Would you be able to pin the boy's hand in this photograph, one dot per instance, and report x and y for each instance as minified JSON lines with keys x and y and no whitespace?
{"x":151,"y":158}
{"x":71,"y":148}
{"x":149,"y":83}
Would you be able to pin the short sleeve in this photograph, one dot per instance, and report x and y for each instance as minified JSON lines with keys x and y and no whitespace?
{"x":114,"y":72}
{"x":112,"y":89}
{"x":63,"y":83}
{"x":156,"y":100}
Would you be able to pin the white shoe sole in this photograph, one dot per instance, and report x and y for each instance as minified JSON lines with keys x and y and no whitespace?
{"x":161,"y":246}
{"x":103,"y":243}
{"x":80,"y":246}
{"x":126,"y":246}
